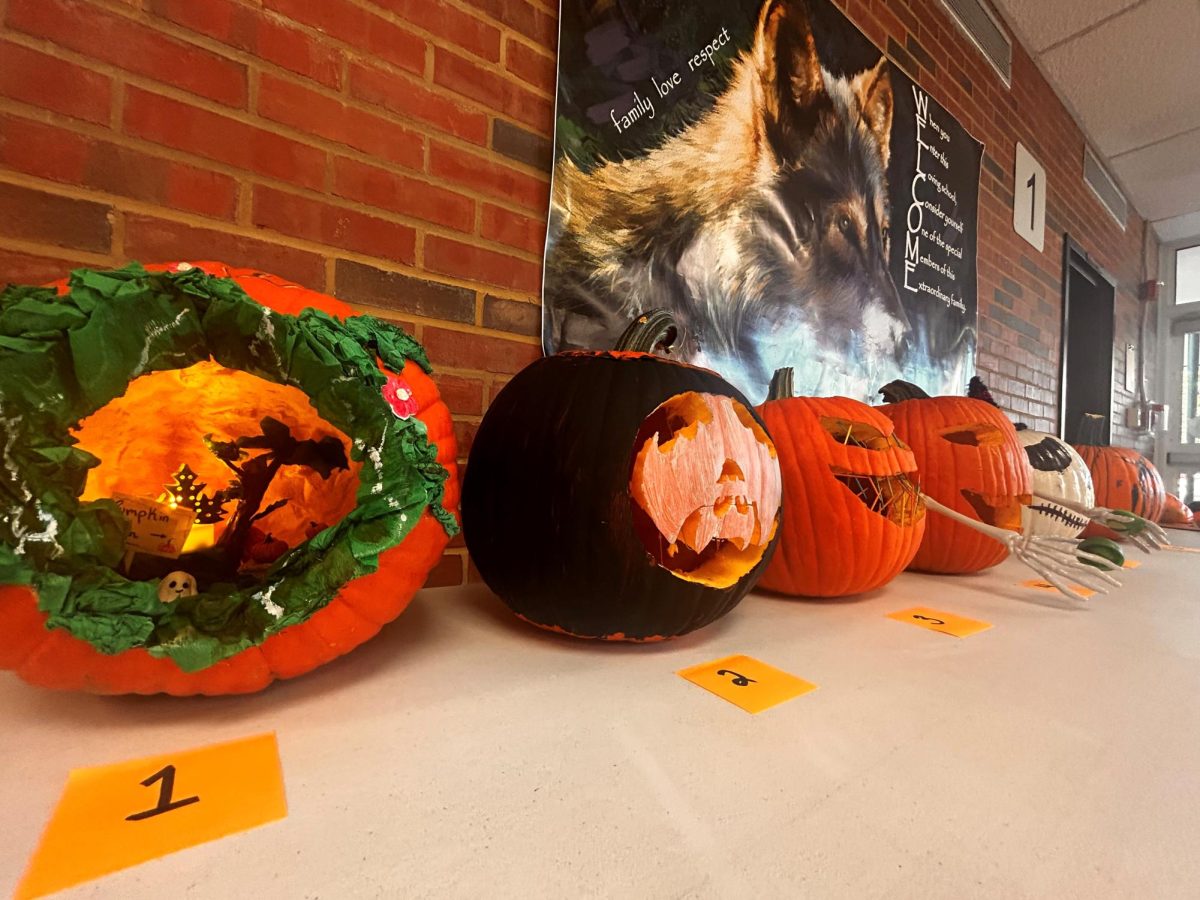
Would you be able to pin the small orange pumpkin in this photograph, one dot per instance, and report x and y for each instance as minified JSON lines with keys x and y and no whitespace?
{"x":970,"y":460}
{"x":54,"y":657}
{"x":1123,"y":478}
{"x":853,"y":517}
{"x":1176,"y":512}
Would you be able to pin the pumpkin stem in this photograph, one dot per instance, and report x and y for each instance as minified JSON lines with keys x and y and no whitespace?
{"x":652,"y":329}
{"x":899,"y":391}
{"x":1091,"y":430}
{"x":977,"y":390}
{"x":783,"y":384}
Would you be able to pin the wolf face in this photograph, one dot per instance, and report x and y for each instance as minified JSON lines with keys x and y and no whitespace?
{"x":763,"y":225}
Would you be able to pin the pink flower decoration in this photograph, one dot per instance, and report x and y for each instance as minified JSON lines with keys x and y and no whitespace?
{"x":399,"y":397}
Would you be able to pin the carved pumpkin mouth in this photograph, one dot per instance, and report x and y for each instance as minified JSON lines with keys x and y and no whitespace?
{"x":895,"y":497}
{"x":998,"y":511}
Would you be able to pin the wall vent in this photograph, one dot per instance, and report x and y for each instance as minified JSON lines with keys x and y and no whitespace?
{"x":977,"y":22}
{"x":1104,"y":187}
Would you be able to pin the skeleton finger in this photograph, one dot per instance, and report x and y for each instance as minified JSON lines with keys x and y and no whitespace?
{"x":1145,"y":542}
{"x":1159,"y":533}
{"x":1085,"y":575}
{"x":1062,"y":586}
{"x":1087,"y":571}
{"x":1051,"y":568}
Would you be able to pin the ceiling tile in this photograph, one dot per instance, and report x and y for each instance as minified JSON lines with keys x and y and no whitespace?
{"x":1180,"y":228}
{"x":1134,"y":79}
{"x":1163,"y":180}
{"x":1042,"y":24}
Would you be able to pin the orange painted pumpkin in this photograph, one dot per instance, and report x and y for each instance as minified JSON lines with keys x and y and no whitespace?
{"x":970,"y":460}
{"x":1176,"y":512}
{"x":853,"y":518}
{"x":1125,"y":479}
{"x":402,"y":549}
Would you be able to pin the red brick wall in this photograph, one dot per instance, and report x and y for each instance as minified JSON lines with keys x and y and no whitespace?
{"x":395,"y":153}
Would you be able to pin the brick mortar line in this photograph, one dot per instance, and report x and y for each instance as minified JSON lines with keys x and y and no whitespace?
{"x":248,"y":117}
{"x":138,"y":207}
{"x":37,"y":248}
{"x":100,"y":132}
{"x":244,"y":203}
{"x":540,"y":49}
{"x":32,"y":248}
{"x":199,"y":39}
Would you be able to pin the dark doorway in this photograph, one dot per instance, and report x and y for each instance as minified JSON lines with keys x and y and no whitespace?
{"x":1087,"y":350}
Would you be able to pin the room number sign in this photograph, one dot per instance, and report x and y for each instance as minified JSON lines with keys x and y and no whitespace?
{"x":1029,"y":199}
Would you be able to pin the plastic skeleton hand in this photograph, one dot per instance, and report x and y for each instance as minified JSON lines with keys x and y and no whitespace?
{"x":1055,"y":559}
{"x":1145,"y":534}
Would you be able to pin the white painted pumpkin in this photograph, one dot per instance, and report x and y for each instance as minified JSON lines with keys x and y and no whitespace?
{"x":1059,"y":473}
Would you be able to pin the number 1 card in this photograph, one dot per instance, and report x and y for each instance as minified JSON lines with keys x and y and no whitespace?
{"x":116,"y":816}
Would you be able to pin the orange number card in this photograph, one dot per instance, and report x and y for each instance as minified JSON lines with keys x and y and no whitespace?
{"x":116,"y":816}
{"x":747,"y":682}
{"x":942,"y":622}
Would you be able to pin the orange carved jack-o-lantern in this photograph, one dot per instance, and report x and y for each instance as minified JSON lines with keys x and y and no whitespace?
{"x":853,"y":517}
{"x":970,"y":460}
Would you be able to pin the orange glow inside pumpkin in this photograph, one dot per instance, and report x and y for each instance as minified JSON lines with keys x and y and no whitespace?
{"x":706,"y":488}
{"x":159,"y":424}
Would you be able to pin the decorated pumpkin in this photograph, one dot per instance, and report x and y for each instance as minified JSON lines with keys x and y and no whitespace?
{"x":1176,"y":512}
{"x":1123,"y":478}
{"x":171,"y":439}
{"x":620,"y":495}
{"x":1059,"y":473}
{"x":852,"y":514}
{"x":970,"y":461}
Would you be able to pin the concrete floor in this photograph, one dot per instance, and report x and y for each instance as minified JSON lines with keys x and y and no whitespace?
{"x":464,"y":754}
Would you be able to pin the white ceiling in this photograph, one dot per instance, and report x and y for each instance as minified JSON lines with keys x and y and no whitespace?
{"x":1130,"y":71}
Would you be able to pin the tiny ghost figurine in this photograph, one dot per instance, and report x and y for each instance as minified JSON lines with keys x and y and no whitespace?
{"x":176,"y":585}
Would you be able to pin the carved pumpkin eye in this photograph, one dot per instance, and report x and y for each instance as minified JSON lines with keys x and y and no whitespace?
{"x":978,"y":435}
{"x":705,"y":488}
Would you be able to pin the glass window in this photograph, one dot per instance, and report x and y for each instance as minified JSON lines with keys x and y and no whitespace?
{"x":1187,"y":275}
{"x":1189,"y":401}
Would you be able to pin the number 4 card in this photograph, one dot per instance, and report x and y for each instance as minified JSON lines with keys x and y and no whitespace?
{"x":746,"y":682}
{"x":116,"y":816}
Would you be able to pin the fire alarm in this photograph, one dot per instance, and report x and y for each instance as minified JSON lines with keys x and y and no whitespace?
{"x":1148,"y":290}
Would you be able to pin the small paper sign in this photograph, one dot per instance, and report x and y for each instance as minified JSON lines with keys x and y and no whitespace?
{"x":155,"y":528}
{"x":942,"y":622}
{"x":747,"y":682}
{"x":116,"y":816}
{"x":1039,"y":585}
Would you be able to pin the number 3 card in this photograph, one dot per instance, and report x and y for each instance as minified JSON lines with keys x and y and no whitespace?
{"x":116,"y":816}
{"x":746,"y":682}
{"x":935,"y":620}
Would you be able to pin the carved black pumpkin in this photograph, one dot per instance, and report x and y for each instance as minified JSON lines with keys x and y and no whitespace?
{"x":620,"y":495}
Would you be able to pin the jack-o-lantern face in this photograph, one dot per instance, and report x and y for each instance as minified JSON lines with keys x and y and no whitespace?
{"x":1058,"y":473}
{"x":1002,"y":509}
{"x":853,"y":517}
{"x":971,"y":461}
{"x":706,"y":488}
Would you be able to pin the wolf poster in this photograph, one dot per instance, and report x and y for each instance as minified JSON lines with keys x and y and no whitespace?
{"x":762,"y":171}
